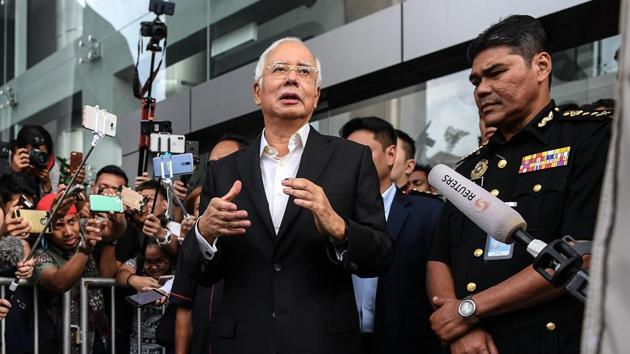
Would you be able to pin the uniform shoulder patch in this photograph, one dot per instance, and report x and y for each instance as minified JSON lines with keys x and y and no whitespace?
{"x":585,"y":115}
{"x":475,"y":152}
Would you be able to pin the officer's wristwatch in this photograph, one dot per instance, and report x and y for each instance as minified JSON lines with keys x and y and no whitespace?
{"x":467,"y":309}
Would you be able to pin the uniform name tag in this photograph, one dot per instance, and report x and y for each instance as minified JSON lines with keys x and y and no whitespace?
{"x":497,"y":250}
{"x":543,"y":160}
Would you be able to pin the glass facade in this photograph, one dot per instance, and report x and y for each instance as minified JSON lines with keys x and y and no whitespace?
{"x":58,"y":55}
{"x":441,"y":115}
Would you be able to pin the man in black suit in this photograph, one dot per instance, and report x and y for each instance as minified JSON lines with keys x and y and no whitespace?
{"x":290,"y":218}
{"x":393,"y":308}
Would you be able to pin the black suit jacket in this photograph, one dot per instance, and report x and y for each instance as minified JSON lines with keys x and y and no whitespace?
{"x":288,"y":293}
{"x":401,"y":323}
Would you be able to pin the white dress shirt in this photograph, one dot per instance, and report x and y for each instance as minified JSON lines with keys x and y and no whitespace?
{"x":273,"y":169}
{"x":365,"y":288}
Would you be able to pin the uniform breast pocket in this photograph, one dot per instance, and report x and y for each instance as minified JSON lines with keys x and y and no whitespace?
{"x":540,"y":197}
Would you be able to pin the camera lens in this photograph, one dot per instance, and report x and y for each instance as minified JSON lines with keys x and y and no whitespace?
{"x":38,"y":158}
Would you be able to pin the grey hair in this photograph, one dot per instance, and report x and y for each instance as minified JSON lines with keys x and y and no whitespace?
{"x":260,"y":66}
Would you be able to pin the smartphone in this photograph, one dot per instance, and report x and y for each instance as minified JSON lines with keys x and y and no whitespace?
{"x":36,"y":218}
{"x":145,"y":298}
{"x":104,"y":203}
{"x":161,"y":142}
{"x":99,"y":121}
{"x":192,"y":147}
{"x":5,"y":157}
{"x":132,"y":199}
{"x":76,"y":192}
{"x":148,"y":127}
{"x":75,"y":160}
{"x":25,"y":202}
{"x":173,"y":165}
{"x":164,"y":278}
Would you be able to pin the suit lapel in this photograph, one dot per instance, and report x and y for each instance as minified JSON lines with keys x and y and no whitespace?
{"x":316,"y":154}
{"x":248,"y":164}
{"x":397,"y":215}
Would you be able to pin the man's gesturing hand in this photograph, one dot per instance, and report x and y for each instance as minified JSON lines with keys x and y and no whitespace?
{"x":312,"y":197}
{"x":222,"y":217}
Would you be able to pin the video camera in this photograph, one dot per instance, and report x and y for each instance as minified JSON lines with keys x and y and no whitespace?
{"x":156,"y":29}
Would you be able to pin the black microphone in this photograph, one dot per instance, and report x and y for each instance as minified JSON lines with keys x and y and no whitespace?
{"x":11,"y":252}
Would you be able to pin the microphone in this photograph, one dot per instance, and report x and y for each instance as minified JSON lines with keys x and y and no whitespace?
{"x":11,"y":252}
{"x":558,"y":262}
{"x":488,"y":212}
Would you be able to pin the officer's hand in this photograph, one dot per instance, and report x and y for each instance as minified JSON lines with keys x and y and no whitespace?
{"x":222,"y":217}
{"x":446,"y":321}
{"x":477,"y":341}
{"x":312,"y":197}
{"x":20,"y":160}
{"x":5,"y":306}
{"x":153,"y":227}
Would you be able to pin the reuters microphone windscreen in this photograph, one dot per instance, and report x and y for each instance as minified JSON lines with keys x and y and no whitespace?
{"x":485,"y":210}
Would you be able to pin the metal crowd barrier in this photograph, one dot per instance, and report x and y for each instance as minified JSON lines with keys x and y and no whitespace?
{"x":4,"y":282}
{"x":66,"y":344}
{"x":99,"y":283}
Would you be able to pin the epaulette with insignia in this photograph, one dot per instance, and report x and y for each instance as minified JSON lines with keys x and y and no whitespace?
{"x":475,"y":152}
{"x":580,"y":115}
{"x":425,"y":194}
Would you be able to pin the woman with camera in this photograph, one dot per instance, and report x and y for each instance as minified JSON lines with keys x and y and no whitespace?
{"x":32,"y":154}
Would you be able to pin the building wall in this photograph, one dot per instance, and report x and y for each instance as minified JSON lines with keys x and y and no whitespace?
{"x":206,"y":76}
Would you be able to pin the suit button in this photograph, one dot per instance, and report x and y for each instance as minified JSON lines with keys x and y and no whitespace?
{"x":551,"y":326}
{"x":494,"y":192}
{"x":277,"y":267}
{"x":273,"y":314}
{"x":478,"y":252}
{"x":471,"y":287}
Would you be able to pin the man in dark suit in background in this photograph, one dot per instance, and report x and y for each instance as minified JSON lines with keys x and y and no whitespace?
{"x":393,"y":308}
{"x":290,"y":218}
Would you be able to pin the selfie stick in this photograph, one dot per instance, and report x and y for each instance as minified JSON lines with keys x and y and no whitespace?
{"x":167,"y":180}
{"x":98,"y":136}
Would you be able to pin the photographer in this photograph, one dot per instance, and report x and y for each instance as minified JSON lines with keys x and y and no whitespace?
{"x":69,"y":257}
{"x":33,"y":154}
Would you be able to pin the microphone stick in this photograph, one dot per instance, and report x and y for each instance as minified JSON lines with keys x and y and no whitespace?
{"x":506,"y":225}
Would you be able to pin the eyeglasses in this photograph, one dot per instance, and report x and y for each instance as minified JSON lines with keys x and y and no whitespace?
{"x":160,"y":262}
{"x":280,"y":70}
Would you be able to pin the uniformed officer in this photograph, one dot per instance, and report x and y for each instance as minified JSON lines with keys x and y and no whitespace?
{"x":545,"y":163}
